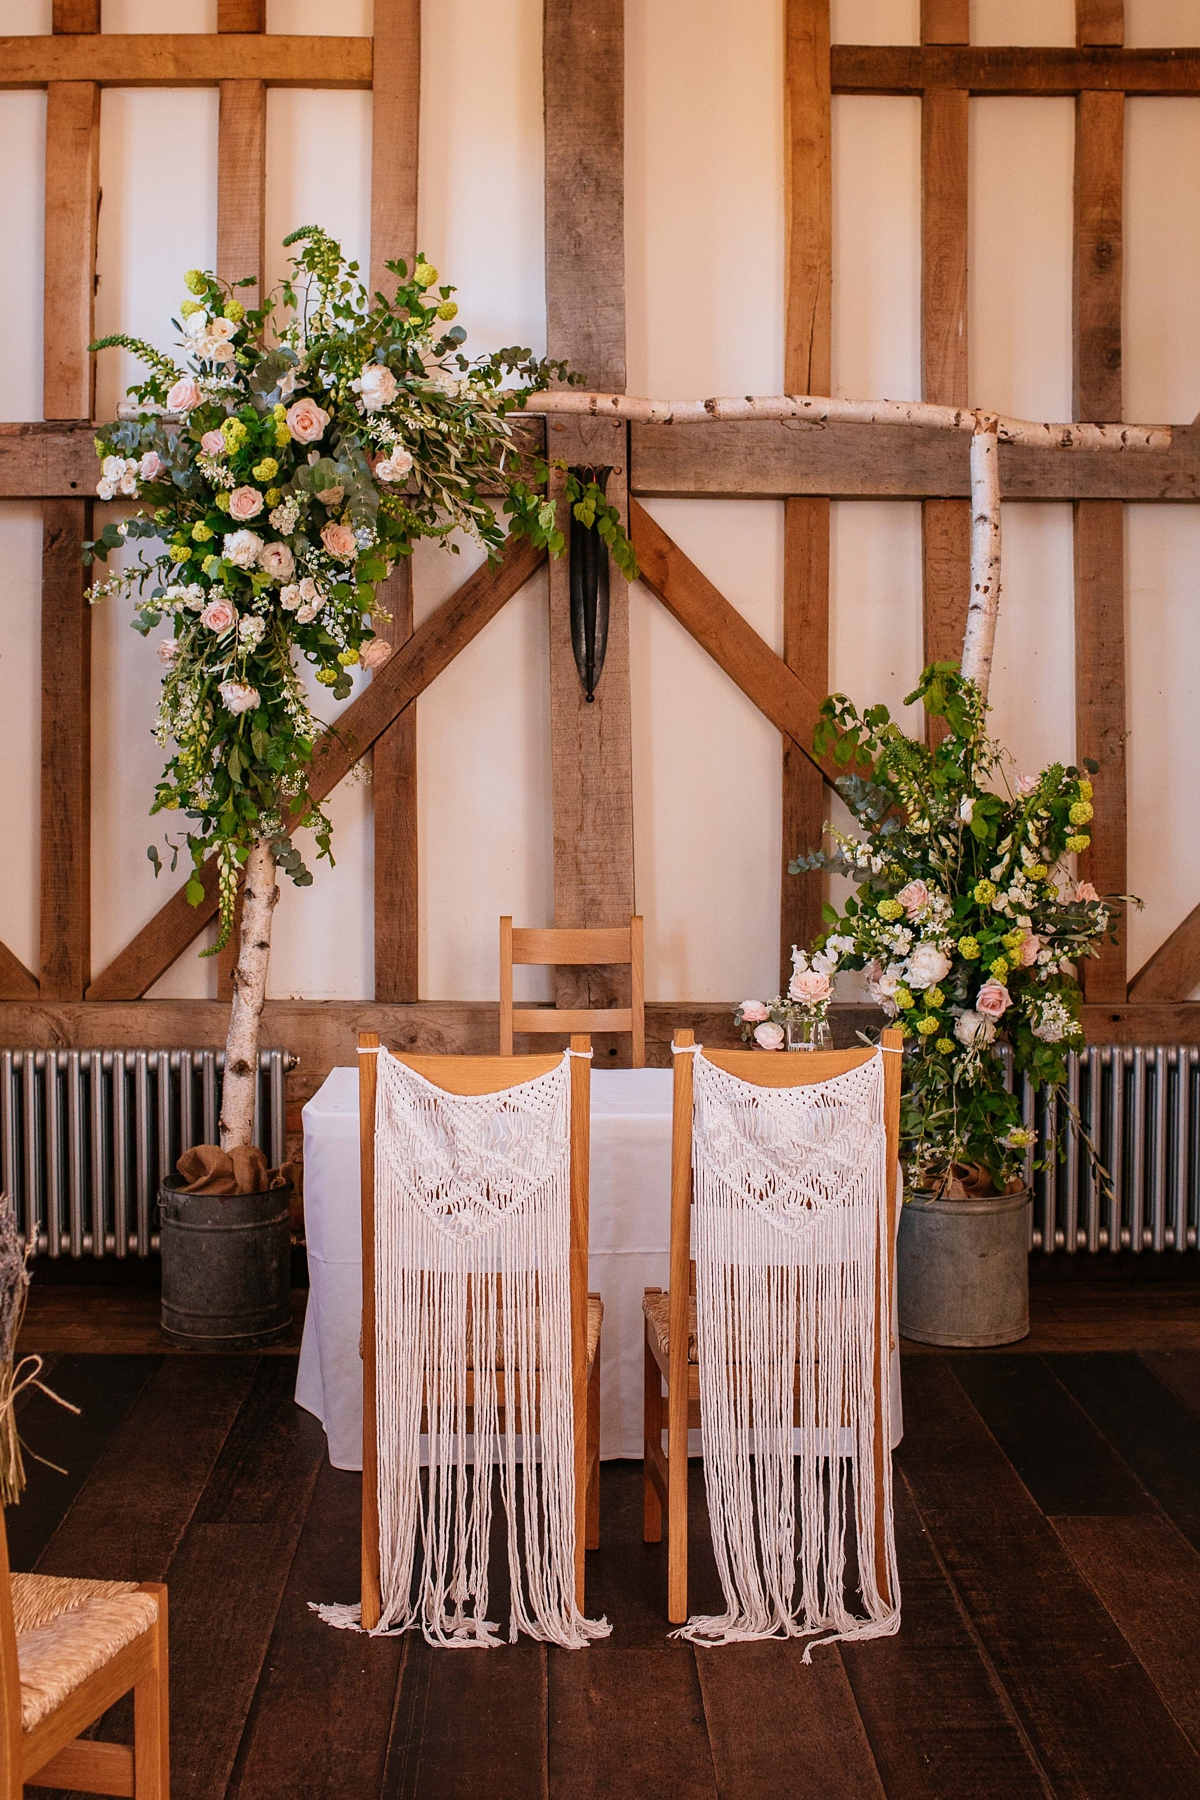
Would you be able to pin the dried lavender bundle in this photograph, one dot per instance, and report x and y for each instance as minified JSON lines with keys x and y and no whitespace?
{"x":14,"y":1287}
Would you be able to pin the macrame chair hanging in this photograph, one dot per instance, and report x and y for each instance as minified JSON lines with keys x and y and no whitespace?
{"x":478,"y":1342}
{"x":792,"y":1171}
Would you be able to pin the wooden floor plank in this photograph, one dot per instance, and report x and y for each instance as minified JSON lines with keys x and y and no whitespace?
{"x":269,"y":1459}
{"x":1147,"y":1423}
{"x":1055,"y":1448}
{"x":1147,"y":1576}
{"x":104,"y":1388}
{"x":322,"y":1712}
{"x":119,"y":1321}
{"x":938,"y":1721}
{"x":1180,"y":1369}
{"x":1096,"y":1721}
{"x":470,"y":1722}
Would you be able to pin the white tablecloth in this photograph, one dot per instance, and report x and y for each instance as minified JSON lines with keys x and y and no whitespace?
{"x":629,"y":1236}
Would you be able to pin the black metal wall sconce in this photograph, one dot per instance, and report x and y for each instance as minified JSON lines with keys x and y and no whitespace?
{"x":589,"y":589}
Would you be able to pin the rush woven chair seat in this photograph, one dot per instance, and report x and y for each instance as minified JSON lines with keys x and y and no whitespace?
{"x":785,"y":1167}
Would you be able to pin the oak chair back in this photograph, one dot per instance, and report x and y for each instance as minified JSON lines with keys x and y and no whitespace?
{"x":478,"y":1075}
{"x":559,"y":947}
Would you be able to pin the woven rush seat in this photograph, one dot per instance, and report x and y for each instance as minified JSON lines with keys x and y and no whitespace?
{"x":595,"y":1318}
{"x":657,"y":1308}
{"x":66,"y":1630}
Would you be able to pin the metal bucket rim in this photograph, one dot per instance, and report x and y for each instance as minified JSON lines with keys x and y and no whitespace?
{"x":986,"y":1203}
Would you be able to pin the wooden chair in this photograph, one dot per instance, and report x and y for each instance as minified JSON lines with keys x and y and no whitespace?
{"x":670,"y":1348}
{"x":560,"y":948}
{"x":490,"y":1075}
{"x":68,"y":1651}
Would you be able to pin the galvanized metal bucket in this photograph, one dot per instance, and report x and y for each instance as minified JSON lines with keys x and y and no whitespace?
{"x":962,"y":1270}
{"x":226,"y":1267}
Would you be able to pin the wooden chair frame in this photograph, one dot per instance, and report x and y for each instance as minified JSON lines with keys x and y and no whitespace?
{"x":486,"y":1075}
{"x":53,"y":1754}
{"x":666,"y":1476}
{"x":559,"y":947}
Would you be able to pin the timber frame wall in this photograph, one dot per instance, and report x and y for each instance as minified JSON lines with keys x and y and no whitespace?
{"x":804,"y":465}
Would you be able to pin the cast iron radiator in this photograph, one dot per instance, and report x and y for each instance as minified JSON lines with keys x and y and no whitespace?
{"x":87,"y":1135}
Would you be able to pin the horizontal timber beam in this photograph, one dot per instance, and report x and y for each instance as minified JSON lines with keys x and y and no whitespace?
{"x":185,"y":59}
{"x":1044,"y":69}
{"x":773,"y":459}
{"x":418,"y":661}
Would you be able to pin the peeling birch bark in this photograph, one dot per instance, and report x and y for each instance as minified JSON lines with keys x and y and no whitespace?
{"x":249,"y":991}
{"x":983,"y":607}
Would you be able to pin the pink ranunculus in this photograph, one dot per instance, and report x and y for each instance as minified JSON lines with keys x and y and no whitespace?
{"x":374,"y":653}
{"x":184,"y":395}
{"x":993,"y":1000}
{"x":277,"y":561}
{"x":754,"y":1012}
{"x":1030,"y":950}
{"x":219,"y":616}
{"x":213,"y":443}
{"x":769,"y":1037}
{"x":306,"y":421}
{"x":913,"y":897}
{"x":1085,"y":891}
{"x":809,"y":987}
{"x":151,"y":466}
{"x":340,"y":542}
{"x":245,"y":503}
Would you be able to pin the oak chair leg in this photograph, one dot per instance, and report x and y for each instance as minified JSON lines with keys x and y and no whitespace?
{"x":677,"y":1502}
{"x":592,"y":1539}
{"x":652,"y":1435}
{"x":151,"y":1718}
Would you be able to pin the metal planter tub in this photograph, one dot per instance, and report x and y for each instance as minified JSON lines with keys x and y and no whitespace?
{"x":226,"y":1268}
{"x":962,"y":1270}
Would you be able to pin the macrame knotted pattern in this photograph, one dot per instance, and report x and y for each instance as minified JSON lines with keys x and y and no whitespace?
{"x":472,"y":1275}
{"x":792,"y":1278}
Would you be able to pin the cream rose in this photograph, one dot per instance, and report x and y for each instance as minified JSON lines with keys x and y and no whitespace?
{"x":151,"y":466}
{"x":184,"y":395}
{"x":926,"y":966}
{"x":332,"y":497}
{"x":754,"y":1012}
{"x":1085,"y":891}
{"x":289,"y":599}
{"x":213,"y":443}
{"x":973,"y":1028}
{"x":306,"y":421}
{"x":376,"y":385}
{"x":243,"y":548}
{"x":769,"y":1037}
{"x":374,"y":653}
{"x":237,"y":697}
{"x":168,"y":650}
{"x":809,"y":987}
{"x":307,"y":613}
{"x":218,"y":615}
{"x":913,"y":897}
{"x":277,"y":561}
{"x":993,"y":1000}
{"x":245,"y":503}
{"x":1030,"y":950}
{"x":394,"y":467}
{"x":340,"y":542}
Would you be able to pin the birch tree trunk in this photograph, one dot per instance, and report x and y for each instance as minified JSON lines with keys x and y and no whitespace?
{"x":249,"y":991}
{"x":984,"y":606}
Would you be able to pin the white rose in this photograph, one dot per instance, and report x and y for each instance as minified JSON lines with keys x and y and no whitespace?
{"x":377,"y":386}
{"x":196,"y":324}
{"x":973,"y":1028}
{"x":243,"y":548}
{"x":966,"y":809}
{"x":769,"y":1037}
{"x":927,"y":966}
{"x":307,"y":613}
{"x":289,"y":598}
{"x":394,"y":467}
{"x":112,"y":468}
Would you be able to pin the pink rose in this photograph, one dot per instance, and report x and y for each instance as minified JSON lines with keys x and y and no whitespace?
{"x":184,"y":395}
{"x":1085,"y":891}
{"x":151,"y":466}
{"x":809,"y":987}
{"x":277,"y":561}
{"x":306,"y":421}
{"x":245,"y":503}
{"x":913,"y":897}
{"x":769,"y":1037}
{"x":340,"y":542}
{"x":213,"y":443}
{"x":993,"y":1000}
{"x":374,"y":653}
{"x":754,"y":1012}
{"x":1026,"y":784}
{"x":238,"y":697}
{"x":218,"y":615}
{"x":168,"y":650}
{"x":1030,"y":950}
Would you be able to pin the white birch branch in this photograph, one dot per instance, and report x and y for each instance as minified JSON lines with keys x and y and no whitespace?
{"x":240,"y":1086}
{"x":983,"y":607}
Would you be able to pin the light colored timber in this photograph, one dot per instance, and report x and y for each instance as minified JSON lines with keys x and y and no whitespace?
{"x":945,"y":21}
{"x":72,"y":205}
{"x":559,"y":948}
{"x":241,"y":186}
{"x":1099,"y":22}
{"x":368,"y":1064}
{"x":130,"y":59}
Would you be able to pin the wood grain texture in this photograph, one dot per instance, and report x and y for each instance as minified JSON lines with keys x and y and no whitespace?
{"x":1099,"y":21}
{"x":241,"y":15}
{"x":583,"y":73}
{"x":806,"y":653}
{"x":392,"y":688}
{"x":241,"y":185}
{"x":808,"y":197}
{"x":689,"y":596}
{"x":395,"y":129}
{"x":66,"y":897}
{"x":1048,"y":69}
{"x":1097,"y":261}
{"x":946,"y":579}
{"x":945,"y":21}
{"x":186,"y":59}
{"x":394,"y":809}
{"x":1174,"y":969}
{"x":72,"y":206}
{"x":1100,"y":721}
{"x":16,"y":982}
{"x":75,"y":15}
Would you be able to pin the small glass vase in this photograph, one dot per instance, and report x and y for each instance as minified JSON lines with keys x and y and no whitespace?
{"x":809,"y":1034}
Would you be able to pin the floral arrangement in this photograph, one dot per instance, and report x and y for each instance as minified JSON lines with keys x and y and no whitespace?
{"x":967,"y":920}
{"x":810,"y":991}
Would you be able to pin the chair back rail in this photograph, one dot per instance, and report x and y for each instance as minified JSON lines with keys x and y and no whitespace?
{"x":574,"y":947}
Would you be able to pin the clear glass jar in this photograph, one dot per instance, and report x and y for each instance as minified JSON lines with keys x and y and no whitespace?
{"x":809,"y":1034}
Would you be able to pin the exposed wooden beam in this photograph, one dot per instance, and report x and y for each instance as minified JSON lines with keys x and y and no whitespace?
{"x":1097,"y":260}
{"x":985,"y":69}
{"x":16,"y":983}
{"x":418,"y":662}
{"x":66,"y":897}
{"x":1099,"y":22}
{"x":129,"y":59}
{"x":689,"y":596}
{"x":241,"y":185}
{"x":241,"y":15}
{"x":808,"y":328}
{"x":1173,"y":971}
{"x":945,"y":21}
{"x":72,"y":204}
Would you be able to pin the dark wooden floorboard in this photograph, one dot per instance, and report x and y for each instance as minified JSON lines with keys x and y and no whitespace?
{"x":937,"y":1718}
{"x":1064,"y":1461}
{"x":1095,"y":1719}
{"x":1147,"y":1423}
{"x":1180,"y":1369}
{"x":469,"y":1722}
{"x":268,"y":1462}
